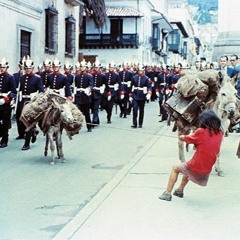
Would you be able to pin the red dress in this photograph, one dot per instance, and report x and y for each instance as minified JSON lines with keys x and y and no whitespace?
{"x":207,"y":150}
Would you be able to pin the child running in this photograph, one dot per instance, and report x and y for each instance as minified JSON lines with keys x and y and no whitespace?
{"x":207,"y":140}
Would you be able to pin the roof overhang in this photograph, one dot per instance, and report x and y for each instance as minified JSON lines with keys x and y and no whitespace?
{"x":181,"y":28}
{"x":163,"y":22}
{"x":122,"y":12}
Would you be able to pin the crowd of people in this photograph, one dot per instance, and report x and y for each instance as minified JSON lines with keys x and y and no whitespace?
{"x":91,"y":87}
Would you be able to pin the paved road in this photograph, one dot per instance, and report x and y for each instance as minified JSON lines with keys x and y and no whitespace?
{"x":38,"y":199}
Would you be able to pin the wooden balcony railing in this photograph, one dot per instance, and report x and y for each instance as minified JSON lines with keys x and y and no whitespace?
{"x":108,"y":40}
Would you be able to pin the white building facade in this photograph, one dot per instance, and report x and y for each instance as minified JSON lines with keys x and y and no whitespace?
{"x":39,"y":28}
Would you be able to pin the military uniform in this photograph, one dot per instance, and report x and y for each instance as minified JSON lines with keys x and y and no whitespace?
{"x":162,"y":89}
{"x":30,"y":84}
{"x":125,"y":77}
{"x":114,"y":86}
{"x":83,"y":88}
{"x":141,"y":90}
{"x":59,"y":83}
{"x":99,"y":83}
{"x":7,"y":92}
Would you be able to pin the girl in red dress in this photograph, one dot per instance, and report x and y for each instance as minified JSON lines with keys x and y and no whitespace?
{"x":207,"y":140}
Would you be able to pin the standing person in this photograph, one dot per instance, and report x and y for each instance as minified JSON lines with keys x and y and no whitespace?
{"x":47,"y":65}
{"x":99,"y":87}
{"x":162,"y":90}
{"x":141,"y":91}
{"x":224,"y":68}
{"x":174,"y":77}
{"x":30,"y":85}
{"x":125,"y":78}
{"x":20,"y":72}
{"x":7,"y":93}
{"x":68,"y":72}
{"x":83,"y":88}
{"x":114,"y":85}
{"x":57,"y":82}
{"x":207,"y":140}
{"x":235,"y":63}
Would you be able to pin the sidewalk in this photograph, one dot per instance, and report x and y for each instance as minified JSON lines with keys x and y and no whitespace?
{"x":128,"y":207}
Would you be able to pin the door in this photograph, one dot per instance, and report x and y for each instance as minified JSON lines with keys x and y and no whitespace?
{"x":116,"y":31}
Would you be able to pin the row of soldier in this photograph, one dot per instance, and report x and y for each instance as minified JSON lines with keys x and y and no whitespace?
{"x":89,"y":87}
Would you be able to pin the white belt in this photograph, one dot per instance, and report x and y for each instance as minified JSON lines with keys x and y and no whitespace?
{"x":3,"y":94}
{"x":81,"y":89}
{"x":96,"y":88}
{"x":138,"y":88}
{"x":111,"y":86}
{"x":26,"y":96}
{"x":125,"y":83}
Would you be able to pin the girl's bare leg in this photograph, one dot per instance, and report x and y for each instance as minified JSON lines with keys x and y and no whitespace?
{"x":173,"y":178}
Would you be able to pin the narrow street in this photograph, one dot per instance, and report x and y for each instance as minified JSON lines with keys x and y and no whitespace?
{"x":39,"y":199}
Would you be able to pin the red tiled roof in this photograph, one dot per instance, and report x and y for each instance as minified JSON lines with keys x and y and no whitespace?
{"x":123,"y":12}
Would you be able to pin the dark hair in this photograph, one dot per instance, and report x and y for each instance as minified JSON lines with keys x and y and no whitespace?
{"x":208,"y":119}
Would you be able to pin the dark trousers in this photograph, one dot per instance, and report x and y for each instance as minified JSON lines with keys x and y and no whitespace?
{"x":20,"y":126}
{"x":163,"y":112}
{"x":95,"y":108}
{"x":5,"y":124}
{"x":109,"y":108}
{"x":123,"y":104}
{"x":138,"y":105}
{"x":85,"y":109}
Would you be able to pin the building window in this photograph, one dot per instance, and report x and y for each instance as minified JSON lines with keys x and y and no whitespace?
{"x":70,"y":36}
{"x":25,"y":44}
{"x":51,"y":30}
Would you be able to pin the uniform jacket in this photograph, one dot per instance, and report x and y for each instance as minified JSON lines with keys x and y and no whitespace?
{"x":163,"y":81}
{"x":83,"y":80}
{"x":7,"y":88}
{"x":44,"y":76}
{"x":137,"y":84}
{"x":99,"y":79}
{"x":125,"y":77}
{"x":112,"y":79}
{"x":56,"y":81}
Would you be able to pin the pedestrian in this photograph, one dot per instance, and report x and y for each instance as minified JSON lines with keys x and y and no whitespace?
{"x":83,"y":90}
{"x":207,"y":140}
{"x":58,"y":82}
{"x":125,"y":77}
{"x":7,"y":93}
{"x":115,"y":87}
{"x":141,"y":91}
{"x":30,"y":85}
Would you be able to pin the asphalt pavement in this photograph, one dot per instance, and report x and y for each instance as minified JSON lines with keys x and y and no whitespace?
{"x":128,"y":206}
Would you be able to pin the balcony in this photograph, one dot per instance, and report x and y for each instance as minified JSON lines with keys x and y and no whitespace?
{"x":175,"y":48}
{"x":108,"y":40}
{"x":74,"y":2}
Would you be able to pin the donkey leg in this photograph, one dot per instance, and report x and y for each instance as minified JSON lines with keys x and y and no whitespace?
{"x":59,"y":146}
{"x":52,"y":147}
{"x":46,"y":146}
{"x":220,"y":173}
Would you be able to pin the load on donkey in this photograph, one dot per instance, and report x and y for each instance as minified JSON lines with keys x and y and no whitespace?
{"x":53,"y":113}
{"x":197,"y":91}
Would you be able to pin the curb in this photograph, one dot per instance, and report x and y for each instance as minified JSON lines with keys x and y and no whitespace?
{"x":76,"y":223}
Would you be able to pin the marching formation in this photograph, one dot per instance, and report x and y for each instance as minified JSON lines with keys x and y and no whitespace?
{"x":91,"y":87}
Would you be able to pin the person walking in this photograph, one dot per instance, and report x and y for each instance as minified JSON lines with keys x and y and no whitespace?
{"x":141,"y":91}
{"x":207,"y":140}
{"x":30,"y":85}
{"x":7,"y":93}
{"x":83,"y":88}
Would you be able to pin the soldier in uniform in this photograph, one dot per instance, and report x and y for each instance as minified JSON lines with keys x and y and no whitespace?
{"x":68,"y":72}
{"x":141,"y":91}
{"x":174,"y":77}
{"x":114,"y":85}
{"x":47,"y":64}
{"x":20,"y":72}
{"x":83,"y":88}
{"x":99,"y":87}
{"x":7,"y":93}
{"x":58,"y":82}
{"x":125,"y":77}
{"x":162,"y":90}
{"x":30,"y":84}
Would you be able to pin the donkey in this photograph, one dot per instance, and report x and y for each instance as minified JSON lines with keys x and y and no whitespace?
{"x":224,"y":105}
{"x":57,"y":115}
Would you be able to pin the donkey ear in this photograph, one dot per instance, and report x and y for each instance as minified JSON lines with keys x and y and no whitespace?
{"x":220,"y":77}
